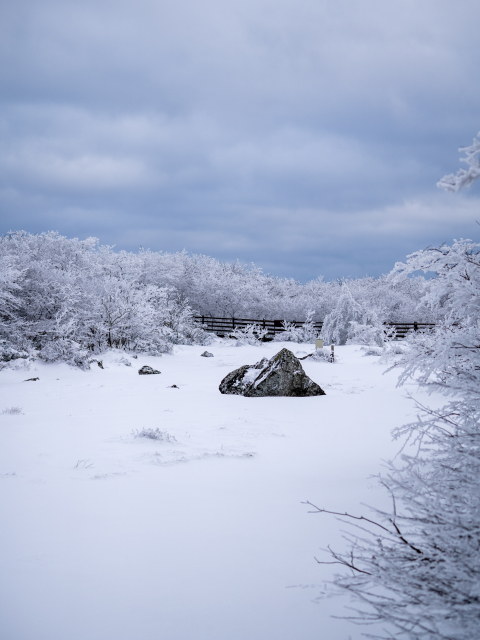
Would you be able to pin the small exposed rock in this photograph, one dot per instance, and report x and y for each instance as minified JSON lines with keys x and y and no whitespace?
{"x":146,"y":371}
{"x":31,"y":379}
{"x":207,"y":354}
{"x":282,"y":375}
{"x":173,"y":386}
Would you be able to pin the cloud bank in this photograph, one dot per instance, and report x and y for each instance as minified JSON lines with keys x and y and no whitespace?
{"x":306,"y":136}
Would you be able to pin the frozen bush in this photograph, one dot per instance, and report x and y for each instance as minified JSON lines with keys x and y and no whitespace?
{"x":369,"y":331}
{"x":302,"y":334}
{"x":13,"y":411}
{"x":321,"y":355}
{"x":252,"y":335}
{"x":154,"y":434}
{"x":65,"y":351}
{"x":373,"y":351}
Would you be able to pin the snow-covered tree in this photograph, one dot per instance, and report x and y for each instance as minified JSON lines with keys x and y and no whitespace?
{"x":355,"y":322}
{"x":416,"y":568}
{"x":64,"y":298}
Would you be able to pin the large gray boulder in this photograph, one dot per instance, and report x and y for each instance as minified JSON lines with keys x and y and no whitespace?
{"x":282,"y":375}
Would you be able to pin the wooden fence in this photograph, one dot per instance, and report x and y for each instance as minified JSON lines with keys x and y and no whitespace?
{"x":225,"y":326}
{"x":402,"y":328}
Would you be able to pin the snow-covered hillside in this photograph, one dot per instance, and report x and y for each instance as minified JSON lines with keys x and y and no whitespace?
{"x":201,"y":535}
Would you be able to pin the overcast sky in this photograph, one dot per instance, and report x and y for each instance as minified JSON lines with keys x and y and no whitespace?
{"x":306,"y":136}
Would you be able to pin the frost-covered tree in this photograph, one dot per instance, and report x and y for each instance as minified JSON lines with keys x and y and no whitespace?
{"x":416,"y":568}
{"x":336,"y":325}
{"x":64,"y":298}
{"x":353,"y":321}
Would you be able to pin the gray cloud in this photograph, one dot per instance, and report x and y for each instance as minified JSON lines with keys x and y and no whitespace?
{"x":304,"y":136}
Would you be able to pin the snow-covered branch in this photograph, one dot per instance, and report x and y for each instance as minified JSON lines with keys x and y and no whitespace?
{"x":464,"y":177}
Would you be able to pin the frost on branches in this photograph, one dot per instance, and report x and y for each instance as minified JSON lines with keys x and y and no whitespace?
{"x":464,"y":177}
{"x":66,"y":299}
{"x":416,"y":569}
{"x":305,"y":333}
{"x":354,"y":322}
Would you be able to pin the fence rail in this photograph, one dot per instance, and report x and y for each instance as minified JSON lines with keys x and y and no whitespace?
{"x":402,"y":328}
{"x":224,"y":326}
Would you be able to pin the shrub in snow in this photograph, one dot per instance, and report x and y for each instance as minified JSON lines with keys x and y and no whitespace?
{"x":389,"y":349}
{"x":154,"y":434}
{"x":8,"y":352}
{"x":13,"y":357}
{"x":368,"y":331}
{"x":289,"y":333}
{"x":252,"y":335}
{"x":13,"y":411}
{"x":321,"y":355}
{"x":373,"y":351}
{"x":305,"y":333}
{"x":123,"y":361}
{"x":67,"y":351}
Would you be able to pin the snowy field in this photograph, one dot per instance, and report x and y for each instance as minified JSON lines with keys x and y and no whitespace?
{"x":201,"y":535}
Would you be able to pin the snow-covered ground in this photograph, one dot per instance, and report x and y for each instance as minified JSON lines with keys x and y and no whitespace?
{"x":201,"y":536}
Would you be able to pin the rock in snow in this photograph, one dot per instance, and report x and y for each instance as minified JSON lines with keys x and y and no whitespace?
{"x":282,"y":375}
{"x":207,"y":354}
{"x":146,"y":370}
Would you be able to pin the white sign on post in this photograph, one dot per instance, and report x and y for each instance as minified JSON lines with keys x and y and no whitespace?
{"x":318,"y":344}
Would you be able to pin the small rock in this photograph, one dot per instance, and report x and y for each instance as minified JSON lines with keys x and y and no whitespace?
{"x":146,"y":371}
{"x":207,"y":354}
{"x":174,"y":386}
{"x":31,"y":379}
